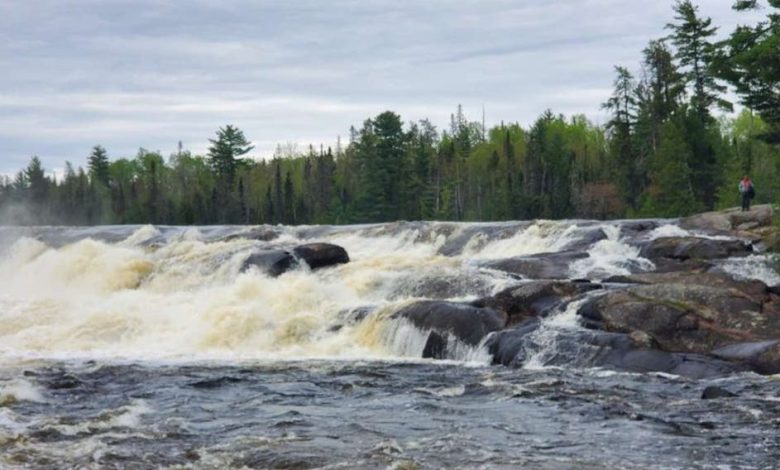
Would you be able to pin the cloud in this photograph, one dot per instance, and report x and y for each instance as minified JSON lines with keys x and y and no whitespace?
{"x":149,"y":73}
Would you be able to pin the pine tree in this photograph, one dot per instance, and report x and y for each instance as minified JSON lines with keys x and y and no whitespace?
{"x":98,"y":166}
{"x":691,"y":36}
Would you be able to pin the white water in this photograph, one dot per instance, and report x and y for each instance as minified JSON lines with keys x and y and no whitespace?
{"x":177,"y":294}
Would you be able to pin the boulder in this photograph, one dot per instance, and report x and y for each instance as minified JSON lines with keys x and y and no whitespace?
{"x":586,"y":239}
{"x":506,"y":346}
{"x":694,"y":248}
{"x":541,"y":266}
{"x":464,"y":322}
{"x":271,"y":262}
{"x":533,"y":299}
{"x":320,"y":255}
{"x":762,"y":357}
{"x":713,"y":391}
{"x":685,"y":318}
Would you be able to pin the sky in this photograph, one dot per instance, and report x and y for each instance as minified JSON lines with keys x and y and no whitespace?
{"x":139,"y":73}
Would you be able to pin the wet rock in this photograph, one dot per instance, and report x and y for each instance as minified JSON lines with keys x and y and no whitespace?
{"x":465,"y":322}
{"x":694,"y":248}
{"x":713,"y":391}
{"x":320,"y":255}
{"x":271,"y":262}
{"x":685,"y":318}
{"x":533,"y":299}
{"x":506,"y":346}
{"x":634,"y":228}
{"x":762,"y":357}
{"x":541,"y":266}
{"x":262,"y":233}
{"x":586,"y":239}
{"x":613,"y":351}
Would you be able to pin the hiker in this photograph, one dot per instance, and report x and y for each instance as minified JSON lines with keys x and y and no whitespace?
{"x":747,"y":191}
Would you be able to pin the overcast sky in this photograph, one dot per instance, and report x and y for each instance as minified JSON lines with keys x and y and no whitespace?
{"x":130,"y":74}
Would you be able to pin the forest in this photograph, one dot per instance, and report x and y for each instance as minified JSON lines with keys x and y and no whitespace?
{"x":673,"y":146}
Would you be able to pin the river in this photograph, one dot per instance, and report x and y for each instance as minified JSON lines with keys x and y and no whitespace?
{"x":150,"y":347}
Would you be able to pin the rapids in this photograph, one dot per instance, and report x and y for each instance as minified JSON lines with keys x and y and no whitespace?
{"x":150,"y":347}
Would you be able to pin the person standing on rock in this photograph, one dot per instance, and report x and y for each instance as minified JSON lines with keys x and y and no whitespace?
{"x":747,"y":191}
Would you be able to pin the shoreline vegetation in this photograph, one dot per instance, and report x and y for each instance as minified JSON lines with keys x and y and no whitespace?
{"x":663,"y":153}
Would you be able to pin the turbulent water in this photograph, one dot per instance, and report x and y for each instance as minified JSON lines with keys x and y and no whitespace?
{"x":148,"y":347}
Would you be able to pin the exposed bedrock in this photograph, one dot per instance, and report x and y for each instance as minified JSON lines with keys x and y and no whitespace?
{"x":691,"y":318}
{"x":694,"y":248}
{"x":614,"y":351}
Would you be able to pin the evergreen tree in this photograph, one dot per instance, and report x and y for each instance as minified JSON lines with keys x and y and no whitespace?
{"x":98,"y":166}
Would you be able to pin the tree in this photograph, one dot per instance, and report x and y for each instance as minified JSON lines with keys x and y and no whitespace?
{"x":623,"y":106}
{"x":225,"y":151}
{"x":98,"y":166}
{"x":670,"y":193}
{"x":751,"y":63}
{"x":691,"y":36}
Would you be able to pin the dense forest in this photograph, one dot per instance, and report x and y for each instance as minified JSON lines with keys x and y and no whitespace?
{"x":668,"y":150}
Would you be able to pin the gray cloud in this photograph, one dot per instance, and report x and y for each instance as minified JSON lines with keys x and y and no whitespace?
{"x":127,"y":74}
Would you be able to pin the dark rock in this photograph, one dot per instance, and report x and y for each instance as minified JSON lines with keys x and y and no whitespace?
{"x":271,"y":262}
{"x":587,"y":239}
{"x":762,"y":357}
{"x":351,"y":317}
{"x":685,"y":318}
{"x":506,"y":346}
{"x":713,"y":391}
{"x":320,"y":255}
{"x":614,"y":351}
{"x":541,"y":266}
{"x":634,"y":228}
{"x":465,"y":322}
{"x":533,"y":299}
{"x":694,"y":248}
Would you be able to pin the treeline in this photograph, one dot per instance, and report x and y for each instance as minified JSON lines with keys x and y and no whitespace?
{"x":662,"y":153}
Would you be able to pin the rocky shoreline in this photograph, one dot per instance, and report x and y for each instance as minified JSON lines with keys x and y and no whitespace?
{"x":686,"y":316}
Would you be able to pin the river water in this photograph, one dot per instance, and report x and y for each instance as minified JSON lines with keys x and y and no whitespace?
{"x":147,"y":347}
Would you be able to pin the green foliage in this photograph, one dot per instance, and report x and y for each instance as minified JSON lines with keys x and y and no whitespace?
{"x":661,"y":153}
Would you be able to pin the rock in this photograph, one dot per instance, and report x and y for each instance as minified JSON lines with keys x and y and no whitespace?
{"x":587,"y":239}
{"x":262,"y":233}
{"x":634,"y":228}
{"x":465,"y":322}
{"x":320,"y":255}
{"x":694,"y":366}
{"x":711,"y":279}
{"x":271,"y":262}
{"x":762,"y":357}
{"x":614,"y":351}
{"x":685,"y":318}
{"x":713,"y":391}
{"x":729,"y":220}
{"x":541,"y":266}
{"x":506,"y":346}
{"x":533,"y":299}
{"x":694,"y":248}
